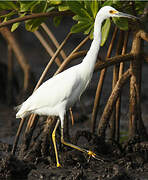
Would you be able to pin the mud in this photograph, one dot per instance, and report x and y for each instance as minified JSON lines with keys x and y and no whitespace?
{"x":114,"y":162}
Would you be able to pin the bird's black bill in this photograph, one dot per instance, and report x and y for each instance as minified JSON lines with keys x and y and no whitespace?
{"x":120,"y":14}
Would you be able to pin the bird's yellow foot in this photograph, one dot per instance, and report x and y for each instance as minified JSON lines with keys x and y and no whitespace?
{"x":58,"y":165}
{"x":90,"y":153}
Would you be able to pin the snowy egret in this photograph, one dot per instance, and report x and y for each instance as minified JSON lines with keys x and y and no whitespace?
{"x":60,"y":92}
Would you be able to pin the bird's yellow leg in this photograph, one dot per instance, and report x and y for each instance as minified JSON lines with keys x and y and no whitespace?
{"x":54,"y":143}
{"x":90,"y":153}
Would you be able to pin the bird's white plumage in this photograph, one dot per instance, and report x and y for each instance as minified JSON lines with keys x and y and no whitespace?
{"x":51,"y":96}
{"x":60,"y":92}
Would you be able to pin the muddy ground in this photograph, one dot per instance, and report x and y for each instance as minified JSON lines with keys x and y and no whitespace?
{"x":128,"y":161}
{"x":114,"y":162}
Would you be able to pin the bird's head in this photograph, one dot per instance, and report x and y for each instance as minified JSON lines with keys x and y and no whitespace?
{"x":108,"y":11}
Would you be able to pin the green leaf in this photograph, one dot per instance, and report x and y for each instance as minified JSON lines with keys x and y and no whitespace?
{"x":63,"y":6}
{"x":91,"y":34}
{"x":27,"y":5}
{"x":8,"y":5}
{"x":57,"y":20}
{"x":76,"y":7}
{"x":40,"y":6}
{"x":87,"y":5}
{"x":76,"y":17}
{"x":121,"y":23}
{"x":94,"y":7}
{"x":87,"y":31}
{"x":55,"y":2}
{"x":108,"y":3}
{"x":80,"y":27}
{"x":9,"y":14}
{"x":50,"y":9}
{"x":105,"y":31}
{"x":32,"y":25}
{"x":86,"y":14}
{"x":139,"y":6}
{"x":15,"y":26}
{"x":82,"y":19}
{"x":5,"y":19}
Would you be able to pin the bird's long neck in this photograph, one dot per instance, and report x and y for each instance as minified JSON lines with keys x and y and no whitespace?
{"x":91,"y":57}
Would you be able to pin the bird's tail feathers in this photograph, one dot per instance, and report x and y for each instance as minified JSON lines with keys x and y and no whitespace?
{"x":20,"y":111}
{"x":17,"y":108}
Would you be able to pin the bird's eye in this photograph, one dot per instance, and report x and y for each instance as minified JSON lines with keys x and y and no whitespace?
{"x":112,"y":12}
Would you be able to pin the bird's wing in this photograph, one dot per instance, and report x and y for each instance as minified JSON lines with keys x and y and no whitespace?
{"x":55,"y":90}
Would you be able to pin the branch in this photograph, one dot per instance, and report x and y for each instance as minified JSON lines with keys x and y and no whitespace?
{"x":145,"y":57}
{"x":53,"y":39}
{"x":143,"y":35}
{"x":111,"y":101}
{"x":112,"y":61}
{"x":101,"y":82}
{"x":9,"y":37}
{"x":46,"y":46}
{"x":66,"y":61}
{"x":51,"y":60}
{"x":34,"y":16}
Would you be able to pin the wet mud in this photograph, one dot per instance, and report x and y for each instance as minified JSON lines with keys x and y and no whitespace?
{"x":114,"y":162}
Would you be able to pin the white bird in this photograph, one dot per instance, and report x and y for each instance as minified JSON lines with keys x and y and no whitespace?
{"x":60,"y":92}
